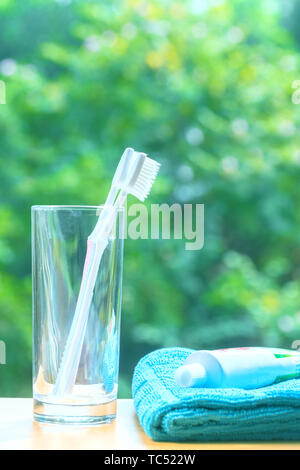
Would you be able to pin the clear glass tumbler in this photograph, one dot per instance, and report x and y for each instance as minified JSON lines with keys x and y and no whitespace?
{"x":59,"y":241}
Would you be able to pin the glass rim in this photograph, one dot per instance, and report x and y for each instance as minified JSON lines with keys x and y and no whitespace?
{"x":54,"y":207}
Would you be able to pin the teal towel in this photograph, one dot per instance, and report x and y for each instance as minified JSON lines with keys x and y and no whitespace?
{"x":168,"y":412}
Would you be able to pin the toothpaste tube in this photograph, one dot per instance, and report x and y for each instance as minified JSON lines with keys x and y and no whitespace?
{"x":245,"y":368}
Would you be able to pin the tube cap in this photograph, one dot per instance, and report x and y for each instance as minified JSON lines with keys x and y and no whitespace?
{"x":191,"y":375}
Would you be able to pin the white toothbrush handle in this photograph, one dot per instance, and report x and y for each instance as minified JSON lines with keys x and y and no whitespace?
{"x":69,"y":365}
{"x":105,"y":212}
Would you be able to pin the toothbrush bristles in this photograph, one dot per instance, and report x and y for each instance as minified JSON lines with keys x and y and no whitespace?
{"x":146,"y":178}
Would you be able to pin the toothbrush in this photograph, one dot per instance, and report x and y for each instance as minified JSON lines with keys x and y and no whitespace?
{"x":92,"y":259}
{"x":135,"y":175}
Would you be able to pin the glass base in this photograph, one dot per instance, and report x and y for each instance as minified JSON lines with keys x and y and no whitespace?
{"x":82,"y":415}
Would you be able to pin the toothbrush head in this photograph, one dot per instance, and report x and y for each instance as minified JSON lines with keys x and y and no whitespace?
{"x":143,"y":173}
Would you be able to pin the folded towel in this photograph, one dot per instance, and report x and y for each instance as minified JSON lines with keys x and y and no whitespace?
{"x":168,"y":412}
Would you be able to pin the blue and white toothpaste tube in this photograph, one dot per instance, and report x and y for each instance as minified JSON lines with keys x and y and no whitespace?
{"x":245,"y":368}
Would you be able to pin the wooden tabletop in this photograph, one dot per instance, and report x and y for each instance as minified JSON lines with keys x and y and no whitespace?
{"x":18,"y":431}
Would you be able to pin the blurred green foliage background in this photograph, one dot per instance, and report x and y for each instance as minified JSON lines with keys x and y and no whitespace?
{"x":205,"y":87}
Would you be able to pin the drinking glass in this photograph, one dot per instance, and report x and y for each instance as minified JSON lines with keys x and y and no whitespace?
{"x":59,"y":241}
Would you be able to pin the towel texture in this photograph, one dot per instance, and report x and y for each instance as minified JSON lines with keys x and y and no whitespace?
{"x":168,"y":412}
